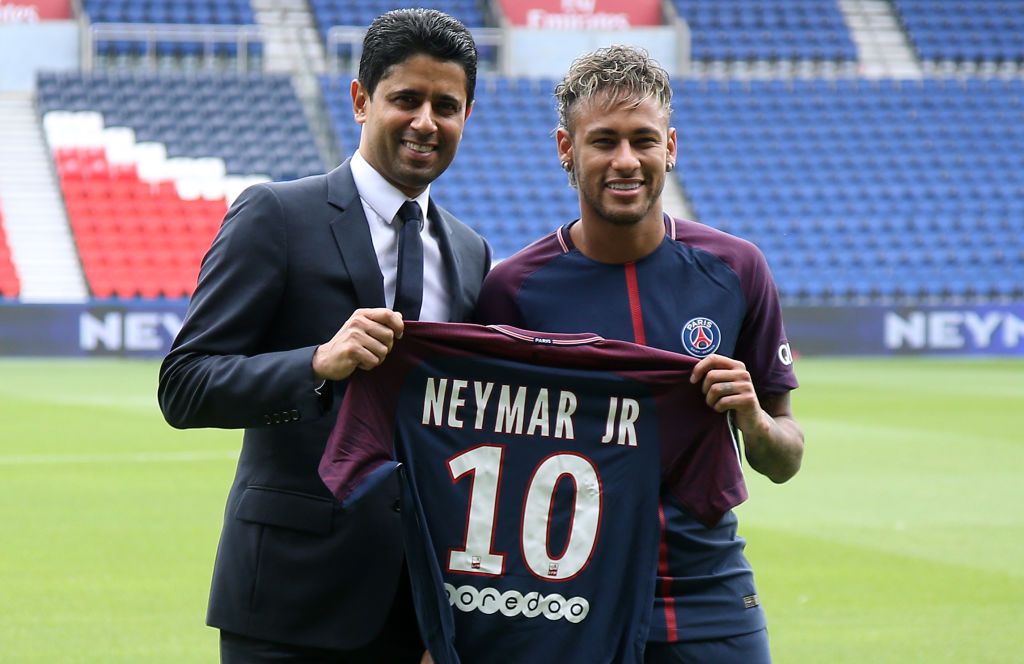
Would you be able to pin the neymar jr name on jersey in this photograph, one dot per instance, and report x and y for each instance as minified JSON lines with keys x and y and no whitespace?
{"x":454,"y":403}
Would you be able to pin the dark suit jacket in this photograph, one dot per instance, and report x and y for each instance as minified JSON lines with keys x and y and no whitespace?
{"x":290,"y":264}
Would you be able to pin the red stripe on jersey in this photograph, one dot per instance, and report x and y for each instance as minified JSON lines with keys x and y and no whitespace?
{"x":665,"y":583}
{"x":634,"y":305}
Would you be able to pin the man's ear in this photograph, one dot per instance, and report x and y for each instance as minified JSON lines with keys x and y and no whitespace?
{"x":564,"y":142}
{"x":360,"y":98}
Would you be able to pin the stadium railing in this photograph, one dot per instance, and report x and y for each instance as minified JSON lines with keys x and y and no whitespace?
{"x":345,"y":46}
{"x":240,"y":41}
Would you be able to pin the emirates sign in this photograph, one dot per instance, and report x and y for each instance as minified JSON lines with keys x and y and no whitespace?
{"x":582,"y":14}
{"x":34,"y":11}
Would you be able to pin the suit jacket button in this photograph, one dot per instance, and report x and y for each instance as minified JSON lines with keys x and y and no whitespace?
{"x":397,"y":505}
{"x":266,"y":418}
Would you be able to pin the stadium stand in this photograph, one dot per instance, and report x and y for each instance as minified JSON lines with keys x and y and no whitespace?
{"x":978,"y":31}
{"x":857,"y":190}
{"x":863,"y":190}
{"x":146,"y":185}
{"x":9,"y":285}
{"x":222,"y":12}
{"x":171,"y":12}
{"x":329,"y":13}
{"x":254,"y":122}
{"x":135,"y":237}
{"x":729,"y":30}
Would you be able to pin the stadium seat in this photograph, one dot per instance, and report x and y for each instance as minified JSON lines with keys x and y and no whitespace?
{"x":360,"y":13}
{"x":164,"y":12}
{"x":233,"y":117}
{"x":894,"y":180}
{"x":130,"y":242}
{"x":978,"y":31}
{"x":767,"y":30}
{"x":10,"y":286}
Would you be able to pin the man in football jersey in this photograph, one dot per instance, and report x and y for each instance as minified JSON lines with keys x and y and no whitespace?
{"x":626,"y":270}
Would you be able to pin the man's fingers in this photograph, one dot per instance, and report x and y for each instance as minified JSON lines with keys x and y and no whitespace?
{"x":737,"y":377}
{"x":712,"y":363}
{"x":368,"y":357}
{"x":376,"y":342}
{"x":386,"y":317}
{"x":373,"y":326}
{"x":732,"y":402}
{"x":376,"y":333}
{"x":362,"y":342}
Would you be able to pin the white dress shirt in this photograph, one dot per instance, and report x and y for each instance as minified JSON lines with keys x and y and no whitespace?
{"x":380,"y":204}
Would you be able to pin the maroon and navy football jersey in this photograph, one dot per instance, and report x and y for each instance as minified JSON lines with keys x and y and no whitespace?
{"x":700,"y":292}
{"x":531,"y":467}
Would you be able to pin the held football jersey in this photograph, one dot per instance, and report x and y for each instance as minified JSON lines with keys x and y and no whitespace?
{"x":700,"y":292}
{"x":530,"y":468}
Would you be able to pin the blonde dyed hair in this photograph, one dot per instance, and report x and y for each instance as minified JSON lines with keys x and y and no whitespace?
{"x":616,"y":75}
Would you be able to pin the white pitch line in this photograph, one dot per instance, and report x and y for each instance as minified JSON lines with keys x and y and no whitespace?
{"x":141,"y":457}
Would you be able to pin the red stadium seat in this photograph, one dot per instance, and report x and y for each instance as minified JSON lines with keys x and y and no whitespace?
{"x":134,"y":238}
{"x":9,"y":283}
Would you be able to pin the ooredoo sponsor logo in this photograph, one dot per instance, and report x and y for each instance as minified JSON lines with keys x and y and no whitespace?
{"x":514,"y":603}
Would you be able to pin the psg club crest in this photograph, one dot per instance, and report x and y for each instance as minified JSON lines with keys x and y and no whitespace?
{"x":701,"y":337}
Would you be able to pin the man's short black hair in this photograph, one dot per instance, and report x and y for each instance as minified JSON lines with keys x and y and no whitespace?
{"x":397,"y":35}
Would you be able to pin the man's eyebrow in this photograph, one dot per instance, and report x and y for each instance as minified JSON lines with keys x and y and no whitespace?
{"x":608,"y":131}
{"x":414,"y":92}
{"x":407,"y":91}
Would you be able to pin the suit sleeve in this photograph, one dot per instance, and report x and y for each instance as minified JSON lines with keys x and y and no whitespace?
{"x":217,"y":373}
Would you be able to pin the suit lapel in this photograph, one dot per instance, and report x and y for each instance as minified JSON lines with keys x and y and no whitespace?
{"x":451,"y":260}
{"x":352,"y":235}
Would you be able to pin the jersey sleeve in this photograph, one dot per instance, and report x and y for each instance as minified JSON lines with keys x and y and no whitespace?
{"x":359,"y":453}
{"x":762,"y":344}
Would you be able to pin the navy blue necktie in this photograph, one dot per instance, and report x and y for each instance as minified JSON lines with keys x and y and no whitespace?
{"x":409,"y":288}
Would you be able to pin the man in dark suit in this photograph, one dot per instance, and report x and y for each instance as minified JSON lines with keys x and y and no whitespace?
{"x":303,"y":286}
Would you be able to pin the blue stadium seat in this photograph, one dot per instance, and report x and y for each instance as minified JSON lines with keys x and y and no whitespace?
{"x":767,"y":30}
{"x":892,"y":180}
{"x":197,"y":12}
{"x":981,"y":30}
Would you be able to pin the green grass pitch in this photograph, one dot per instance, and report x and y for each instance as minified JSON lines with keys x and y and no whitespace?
{"x":901,"y":540}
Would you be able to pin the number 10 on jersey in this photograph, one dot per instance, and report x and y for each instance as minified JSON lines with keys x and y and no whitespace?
{"x":483,"y":465}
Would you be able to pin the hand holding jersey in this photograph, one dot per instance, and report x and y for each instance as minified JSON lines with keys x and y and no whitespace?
{"x":771,"y":437}
{"x":362,"y":343}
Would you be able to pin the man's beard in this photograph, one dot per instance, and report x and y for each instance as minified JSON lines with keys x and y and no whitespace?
{"x":622,"y":218}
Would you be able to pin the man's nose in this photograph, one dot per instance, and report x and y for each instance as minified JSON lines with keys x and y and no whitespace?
{"x":423,"y":121}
